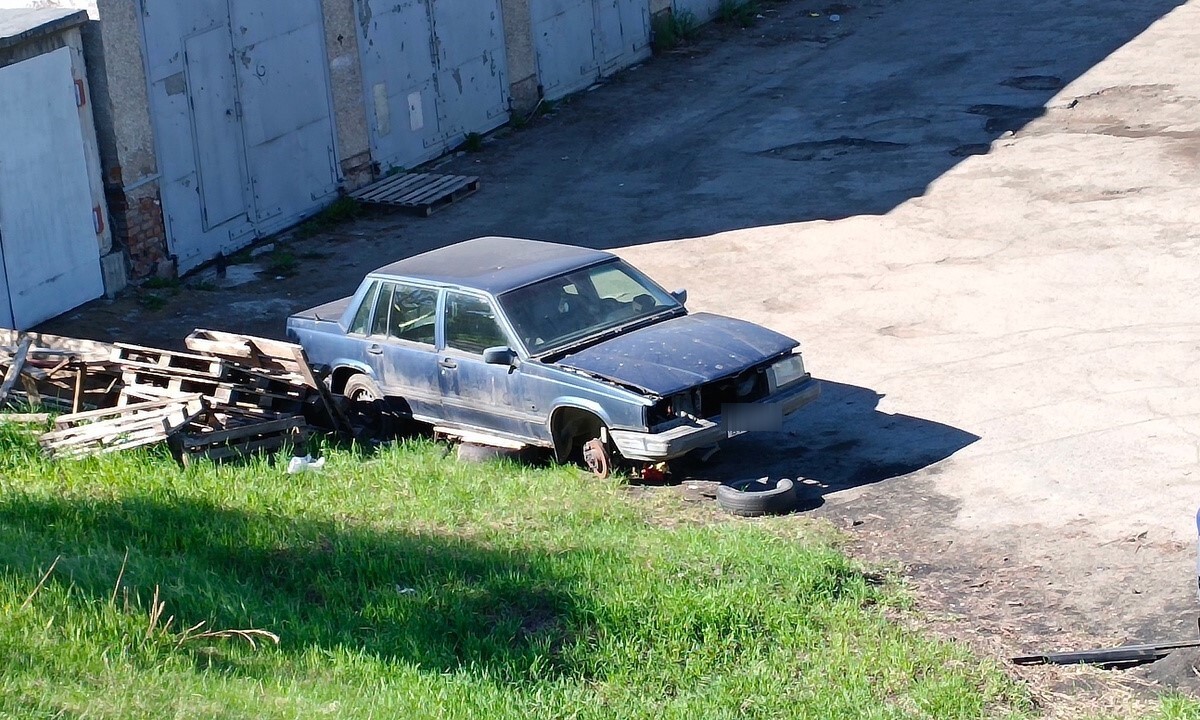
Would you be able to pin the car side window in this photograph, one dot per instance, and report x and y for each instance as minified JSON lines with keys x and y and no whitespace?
{"x":383,"y":303}
{"x":470,"y":324}
{"x":413,"y":314}
{"x":363,"y":317}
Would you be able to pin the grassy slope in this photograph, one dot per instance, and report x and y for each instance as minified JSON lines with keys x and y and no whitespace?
{"x":407,"y":585}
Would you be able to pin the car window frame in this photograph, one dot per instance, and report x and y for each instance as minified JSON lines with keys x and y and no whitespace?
{"x":364,"y":293}
{"x":368,"y":290}
{"x":437,"y":308}
{"x":497,"y":314}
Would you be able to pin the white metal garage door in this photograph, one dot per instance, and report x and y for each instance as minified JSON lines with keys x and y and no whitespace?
{"x":580,"y":41}
{"x":239,"y":91}
{"x":434,"y":71}
{"x":48,"y":245}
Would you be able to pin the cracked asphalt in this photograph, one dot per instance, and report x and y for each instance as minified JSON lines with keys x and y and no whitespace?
{"x":983,"y":222}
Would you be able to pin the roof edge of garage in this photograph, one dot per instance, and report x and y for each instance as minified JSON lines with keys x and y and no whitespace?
{"x":21,"y":25}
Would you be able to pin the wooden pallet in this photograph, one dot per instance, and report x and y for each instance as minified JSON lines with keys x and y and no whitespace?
{"x":112,"y":429}
{"x":422,"y":193}
{"x":271,"y":396}
{"x":238,"y":440}
{"x":247,"y":351}
{"x":176,"y":363}
{"x":286,"y":361}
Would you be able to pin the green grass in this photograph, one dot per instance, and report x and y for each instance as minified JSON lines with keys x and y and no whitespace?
{"x":737,"y":12}
{"x":343,"y":210}
{"x":404,"y":584}
{"x":668,"y":30}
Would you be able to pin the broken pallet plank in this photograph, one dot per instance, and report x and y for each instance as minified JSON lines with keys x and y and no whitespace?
{"x":14,"y":369}
{"x":216,"y":437}
{"x":88,"y":350}
{"x":108,"y":413}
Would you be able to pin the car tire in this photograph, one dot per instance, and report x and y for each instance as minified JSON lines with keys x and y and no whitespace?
{"x":368,"y":407}
{"x":757,"y":497}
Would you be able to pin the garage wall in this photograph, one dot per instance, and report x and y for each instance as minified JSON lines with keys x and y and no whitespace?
{"x":241,"y":106}
{"x":432,"y":72}
{"x":580,"y":41}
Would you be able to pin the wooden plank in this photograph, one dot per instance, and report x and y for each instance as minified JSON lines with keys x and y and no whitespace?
{"x":31,"y":391}
{"x":35,"y":418}
{"x":417,"y":195}
{"x":245,"y":431}
{"x":14,"y":369}
{"x":247,"y":350}
{"x":446,"y":189}
{"x":388,"y":186}
{"x":147,"y":358}
{"x":227,"y":452}
{"x":88,"y":350}
{"x":341,"y":423}
{"x":66,"y":420}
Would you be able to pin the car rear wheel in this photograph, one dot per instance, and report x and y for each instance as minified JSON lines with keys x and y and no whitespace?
{"x":369,"y":414}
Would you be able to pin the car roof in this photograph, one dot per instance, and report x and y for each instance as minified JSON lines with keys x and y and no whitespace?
{"x":494,"y":264}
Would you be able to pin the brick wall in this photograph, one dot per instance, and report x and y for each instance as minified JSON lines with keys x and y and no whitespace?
{"x":138,"y":225}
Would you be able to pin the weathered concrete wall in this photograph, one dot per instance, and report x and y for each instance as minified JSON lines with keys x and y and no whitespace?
{"x":345,"y":76}
{"x":660,"y":6}
{"x":127,"y":136}
{"x":520,"y":54}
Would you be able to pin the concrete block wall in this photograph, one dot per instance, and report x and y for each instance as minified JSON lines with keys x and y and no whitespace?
{"x":346,"y":82}
{"x":520,"y":55}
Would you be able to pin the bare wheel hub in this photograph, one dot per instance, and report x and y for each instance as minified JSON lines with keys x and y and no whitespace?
{"x":596,"y":457}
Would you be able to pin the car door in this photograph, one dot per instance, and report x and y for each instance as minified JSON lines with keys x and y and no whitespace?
{"x":474,"y":393}
{"x":401,"y":347}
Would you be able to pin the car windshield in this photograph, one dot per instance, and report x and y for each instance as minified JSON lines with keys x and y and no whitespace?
{"x":556,"y":312}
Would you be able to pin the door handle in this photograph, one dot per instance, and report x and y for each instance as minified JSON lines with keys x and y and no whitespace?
{"x":375,"y":349}
{"x":448,"y":363}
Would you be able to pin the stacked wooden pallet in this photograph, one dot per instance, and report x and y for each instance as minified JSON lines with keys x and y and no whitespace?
{"x":230,"y":396}
{"x":57,"y":373}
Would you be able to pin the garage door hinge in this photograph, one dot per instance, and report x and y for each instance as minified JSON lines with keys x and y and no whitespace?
{"x":80,"y":94}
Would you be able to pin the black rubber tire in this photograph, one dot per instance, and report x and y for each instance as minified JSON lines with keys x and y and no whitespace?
{"x":368,"y":408}
{"x":757,"y":497}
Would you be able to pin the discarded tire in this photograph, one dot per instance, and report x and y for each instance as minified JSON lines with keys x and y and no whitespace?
{"x":762,"y":496}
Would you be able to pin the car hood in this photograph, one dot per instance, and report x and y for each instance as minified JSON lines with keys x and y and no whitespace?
{"x":679,"y":353}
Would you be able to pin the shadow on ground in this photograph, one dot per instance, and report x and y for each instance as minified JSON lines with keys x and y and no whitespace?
{"x":840,"y":442}
{"x":432,"y":601}
{"x":792,"y":120}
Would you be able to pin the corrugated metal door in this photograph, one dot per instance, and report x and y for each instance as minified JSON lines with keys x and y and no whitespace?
{"x":433,"y":70}
{"x":239,"y":96}
{"x":284,"y":89}
{"x":579,"y":41}
{"x":212,"y":94}
{"x":563,"y":33}
{"x":623,"y":33}
{"x":48,"y":244}
{"x":469,"y":40}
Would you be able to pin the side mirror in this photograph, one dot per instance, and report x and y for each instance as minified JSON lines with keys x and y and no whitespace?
{"x":680,"y":295}
{"x":500,"y":356}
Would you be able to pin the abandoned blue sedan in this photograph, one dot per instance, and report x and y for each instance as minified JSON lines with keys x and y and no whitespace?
{"x":509,"y":342}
